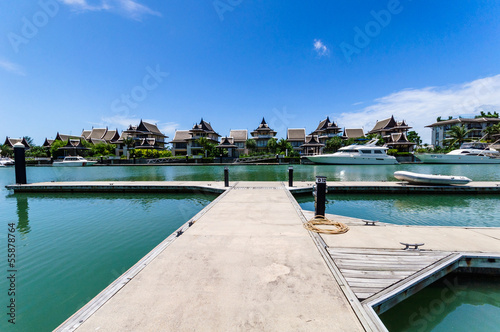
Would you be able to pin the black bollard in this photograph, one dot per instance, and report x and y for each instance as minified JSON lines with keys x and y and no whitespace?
{"x":320,"y":195}
{"x":20,"y":163}
{"x":290,"y":176}
{"x":226,"y":177}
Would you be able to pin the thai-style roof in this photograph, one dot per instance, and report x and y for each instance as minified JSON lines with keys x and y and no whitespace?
{"x":384,"y":125}
{"x":239,"y":135}
{"x":353,"y":133}
{"x":63,"y":137}
{"x":204,"y":126}
{"x":181,"y":136}
{"x":11,"y":141}
{"x":463,"y":120}
{"x":296,"y":134}
{"x":326,"y":124}
{"x":97,"y":133}
{"x":263,"y":128}
{"x":86,"y":133}
{"x":96,"y":140}
{"x":48,"y":142}
{"x":312,"y":141}
{"x":74,"y":144}
{"x":146,"y":143}
{"x":226,"y":144}
{"x":149,"y":127}
{"x":111,"y":136}
{"x":399,"y":139}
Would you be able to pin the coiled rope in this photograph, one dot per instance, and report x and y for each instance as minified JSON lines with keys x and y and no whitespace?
{"x":339,"y":228}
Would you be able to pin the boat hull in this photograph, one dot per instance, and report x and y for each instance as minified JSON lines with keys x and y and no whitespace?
{"x":355,"y":160}
{"x":73,"y":164}
{"x":429,"y":158}
{"x":418,"y":178}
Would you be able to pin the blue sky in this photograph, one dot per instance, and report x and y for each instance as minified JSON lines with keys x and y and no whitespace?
{"x":66,"y":65}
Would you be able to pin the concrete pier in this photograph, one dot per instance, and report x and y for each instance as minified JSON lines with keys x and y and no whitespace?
{"x":247,"y":263}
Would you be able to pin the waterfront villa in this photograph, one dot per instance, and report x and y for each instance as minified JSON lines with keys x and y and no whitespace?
{"x":179,"y":143}
{"x":326,"y":130}
{"x":146,"y":136}
{"x":476,"y":125}
{"x":296,"y":137}
{"x":185,"y":141}
{"x":262,"y":135}
{"x":101,"y":135}
{"x":239,"y":138}
{"x":11,"y":141}
{"x":394,"y":134}
{"x":312,"y":146}
{"x":227,"y":144}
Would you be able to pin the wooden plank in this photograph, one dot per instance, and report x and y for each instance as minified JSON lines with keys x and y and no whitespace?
{"x":374,"y":282}
{"x":375,"y":274}
{"x":384,"y":251}
{"x":390,"y":260}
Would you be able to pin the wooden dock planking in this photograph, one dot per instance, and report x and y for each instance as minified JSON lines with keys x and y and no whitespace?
{"x":369,"y":271}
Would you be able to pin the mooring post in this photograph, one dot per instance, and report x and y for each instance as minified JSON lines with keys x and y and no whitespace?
{"x":226,"y":177}
{"x":20,"y":163}
{"x":320,"y":195}
{"x":290,"y":176}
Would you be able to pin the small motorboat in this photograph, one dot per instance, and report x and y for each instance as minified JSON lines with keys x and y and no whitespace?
{"x":74,"y":161}
{"x":5,"y":161}
{"x":419,"y":178}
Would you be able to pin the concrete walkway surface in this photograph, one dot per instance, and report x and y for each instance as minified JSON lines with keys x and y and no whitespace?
{"x":246,"y":264}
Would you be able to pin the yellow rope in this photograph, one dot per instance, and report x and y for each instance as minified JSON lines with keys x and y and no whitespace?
{"x":340,"y":228}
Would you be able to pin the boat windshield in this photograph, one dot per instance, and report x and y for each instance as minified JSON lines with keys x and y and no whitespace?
{"x":474,"y":145}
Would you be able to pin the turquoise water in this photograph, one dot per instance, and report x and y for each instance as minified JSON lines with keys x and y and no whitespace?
{"x":423,"y":210}
{"x":458,"y":302}
{"x":249,"y":172}
{"x":71,"y":246}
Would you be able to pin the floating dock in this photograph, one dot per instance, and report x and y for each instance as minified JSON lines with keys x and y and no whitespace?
{"x":246,"y":262}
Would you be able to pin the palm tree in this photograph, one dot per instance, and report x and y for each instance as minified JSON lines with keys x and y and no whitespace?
{"x":129,"y":143}
{"x":251,"y":145}
{"x":458,"y":134}
{"x":492,"y":130}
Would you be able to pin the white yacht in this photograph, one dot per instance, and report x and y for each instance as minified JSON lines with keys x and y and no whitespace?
{"x":469,"y":153}
{"x":6,"y":161}
{"x":367,"y":154}
{"x":74,"y":161}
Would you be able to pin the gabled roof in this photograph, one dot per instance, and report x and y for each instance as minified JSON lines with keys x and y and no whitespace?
{"x":111,"y":136}
{"x":384,"y":124}
{"x":63,"y":137}
{"x":239,"y":135}
{"x":226,"y":144}
{"x":399,"y":138}
{"x":353,"y":133}
{"x":296,"y":134}
{"x":263,"y":127}
{"x":97,"y":133}
{"x":11,"y":141}
{"x":149,"y":127}
{"x":47,"y":142}
{"x":312,"y":141}
{"x":203,"y":126}
{"x":86,"y":133}
{"x":181,"y":136}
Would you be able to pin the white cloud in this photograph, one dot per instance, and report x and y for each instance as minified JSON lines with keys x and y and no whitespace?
{"x":12,"y":67}
{"x":168,"y":128}
{"x":128,"y":8}
{"x":421,"y":107}
{"x":320,"y":48}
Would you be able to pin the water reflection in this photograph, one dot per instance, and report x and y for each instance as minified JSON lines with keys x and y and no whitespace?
{"x":22,"y":214}
{"x":458,"y":302}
